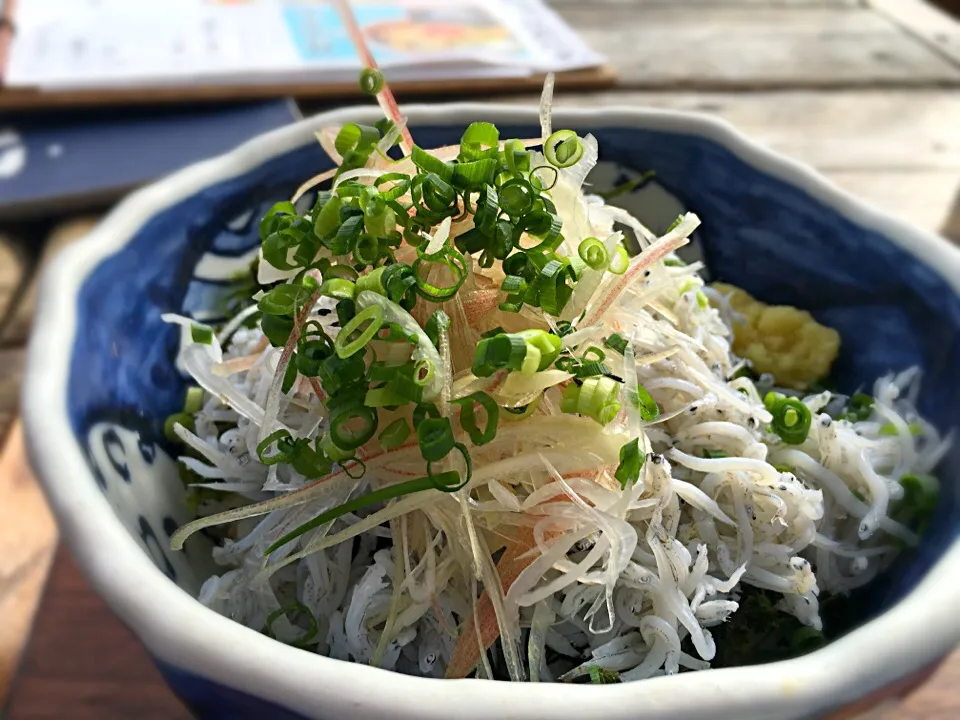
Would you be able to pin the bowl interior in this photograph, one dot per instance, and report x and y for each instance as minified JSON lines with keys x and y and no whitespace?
{"x":759,"y":232}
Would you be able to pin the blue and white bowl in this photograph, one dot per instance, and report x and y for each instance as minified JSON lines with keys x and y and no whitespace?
{"x":101,"y":380}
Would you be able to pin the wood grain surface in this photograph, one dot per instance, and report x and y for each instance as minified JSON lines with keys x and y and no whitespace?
{"x":758,"y":46}
{"x":82,"y":659}
{"x":14,"y":265}
{"x":27,"y":542}
{"x":864,"y":90}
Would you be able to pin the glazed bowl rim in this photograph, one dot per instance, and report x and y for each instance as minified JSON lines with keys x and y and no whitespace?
{"x":181,"y":632}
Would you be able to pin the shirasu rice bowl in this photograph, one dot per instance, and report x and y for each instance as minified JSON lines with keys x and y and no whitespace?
{"x":459,"y":432}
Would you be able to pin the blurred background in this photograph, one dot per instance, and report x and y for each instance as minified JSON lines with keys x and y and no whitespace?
{"x":98,"y":97}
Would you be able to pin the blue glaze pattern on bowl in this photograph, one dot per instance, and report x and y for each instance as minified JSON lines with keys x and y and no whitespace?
{"x":212,"y":701}
{"x":758,"y":232}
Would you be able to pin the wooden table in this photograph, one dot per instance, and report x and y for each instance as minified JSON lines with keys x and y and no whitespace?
{"x":864,"y":90}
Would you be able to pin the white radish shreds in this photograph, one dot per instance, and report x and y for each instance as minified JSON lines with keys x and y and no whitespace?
{"x":629,"y":579}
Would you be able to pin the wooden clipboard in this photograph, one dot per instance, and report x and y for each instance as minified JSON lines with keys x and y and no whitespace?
{"x":31,"y":99}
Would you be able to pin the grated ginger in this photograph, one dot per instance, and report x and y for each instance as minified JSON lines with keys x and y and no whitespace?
{"x":781,"y":340}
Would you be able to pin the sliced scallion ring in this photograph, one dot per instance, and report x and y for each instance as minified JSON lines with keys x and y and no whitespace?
{"x":395,"y":434}
{"x":468,"y":417}
{"x":620,"y":260}
{"x":371,"y":81}
{"x":359,"y":331}
{"x":353,"y":426}
{"x":563,"y":149}
{"x":594,"y":253}
{"x":435,"y":436}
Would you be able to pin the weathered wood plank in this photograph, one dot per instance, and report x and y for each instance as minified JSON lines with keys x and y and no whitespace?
{"x":722,"y":45}
{"x":928,"y":23}
{"x":908,"y":162}
{"x":17,"y":327}
{"x":926,"y":199}
{"x":882,"y":130}
{"x":26,"y":548}
{"x":13,"y":269}
{"x":11,"y":373}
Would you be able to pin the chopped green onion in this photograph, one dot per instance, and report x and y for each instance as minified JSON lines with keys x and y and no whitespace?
{"x":289,"y":375}
{"x":715,"y":454}
{"x":563,"y":149}
{"x":355,"y":143}
{"x":284,"y":448}
{"x":430,"y":164}
{"x":435,"y":436}
{"x":194,"y":400}
{"x":497,"y":352}
{"x":395,"y":434}
{"x":590,"y":369}
{"x":276,"y":328}
{"x":479,"y":139}
{"x":337,"y":454}
{"x":282,"y":300}
{"x":326,"y":220}
{"x":859,"y":408}
{"x":539,"y":182}
{"x":451,"y":481}
{"x":596,"y":398}
{"x":921,"y":492}
{"x":631,"y":461}
{"x":471,"y":176}
{"x":296,"y":606}
{"x":531,"y":361}
{"x":547,"y":344}
{"x":601,"y":676}
{"x":468,"y":418}
{"x":181,"y":418}
{"x":359,"y":331}
{"x":309,"y":282}
{"x":889,"y":429}
{"x":649,"y":410}
{"x":626,"y":187}
{"x":516,"y":197}
{"x":807,"y":639}
{"x":594,"y":253}
{"x":516,"y":156}
{"x":383,"y":397}
{"x":438,"y":321}
{"x":620,"y":260}
{"x":353,"y":426}
{"x":453,"y":261}
{"x":674,"y":224}
{"x":377,"y":496}
{"x":594,"y":353}
{"x":791,"y":418}
{"x":521,"y":413}
{"x":338,"y":289}
{"x":201,"y":334}
{"x":616,"y":342}
{"x":311,"y":462}
{"x":371,"y":81}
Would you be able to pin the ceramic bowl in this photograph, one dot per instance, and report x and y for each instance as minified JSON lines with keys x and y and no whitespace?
{"x":101,"y":380}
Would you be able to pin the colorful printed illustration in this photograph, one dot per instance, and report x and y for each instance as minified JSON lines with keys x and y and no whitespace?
{"x":400,"y":32}
{"x":435,"y":29}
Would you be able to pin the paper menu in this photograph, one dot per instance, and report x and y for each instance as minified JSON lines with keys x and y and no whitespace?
{"x":63,"y":44}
